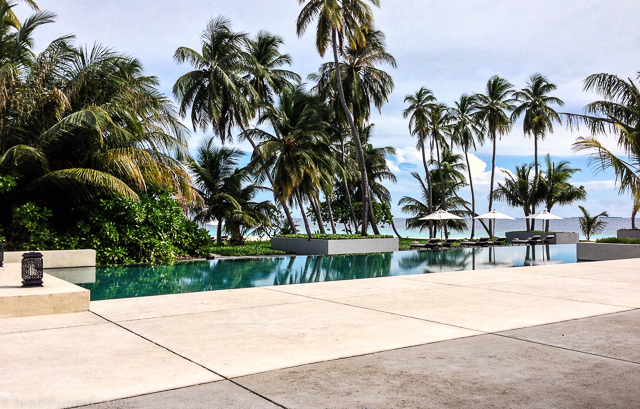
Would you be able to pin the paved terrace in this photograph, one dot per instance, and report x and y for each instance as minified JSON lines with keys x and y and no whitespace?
{"x":553,"y":336}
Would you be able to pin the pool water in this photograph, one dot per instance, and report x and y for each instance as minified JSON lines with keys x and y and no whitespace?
{"x":140,"y":281}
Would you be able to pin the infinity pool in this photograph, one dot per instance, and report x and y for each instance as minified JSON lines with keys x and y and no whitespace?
{"x":140,"y":281}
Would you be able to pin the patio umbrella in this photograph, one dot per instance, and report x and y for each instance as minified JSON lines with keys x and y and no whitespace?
{"x":544,"y":215}
{"x":494,"y":215}
{"x":441,"y":215}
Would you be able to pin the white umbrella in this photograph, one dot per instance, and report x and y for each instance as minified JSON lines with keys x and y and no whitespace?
{"x":441,"y":215}
{"x":494,"y":215}
{"x":544,"y":215}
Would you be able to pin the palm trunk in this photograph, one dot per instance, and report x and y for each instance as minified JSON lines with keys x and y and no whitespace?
{"x":304,"y":216}
{"x":331,"y":220}
{"x":354,"y":134}
{"x":444,"y":198}
{"x":347,"y":193}
{"x":634,"y":211}
{"x":493,"y":171}
{"x":428,"y":177}
{"x":219,"y":233}
{"x":393,"y":225}
{"x":473,"y":197}
{"x":283,"y":203}
{"x":372,"y":217}
{"x":316,"y":208}
{"x":535,"y":177}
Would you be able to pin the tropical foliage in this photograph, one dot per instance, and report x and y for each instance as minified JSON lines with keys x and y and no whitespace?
{"x":591,"y":225}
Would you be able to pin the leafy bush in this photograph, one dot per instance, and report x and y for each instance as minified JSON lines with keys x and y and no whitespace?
{"x":337,"y":236}
{"x":153,"y":230}
{"x":250,"y":248}
{"x":618,"y":241}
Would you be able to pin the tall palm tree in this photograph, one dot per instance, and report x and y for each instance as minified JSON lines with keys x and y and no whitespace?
{"x":216,"y":91}
{"x":439,"y":120}
{"x":535,"y":104}
{"x":493,"y":108}
{"x":297,"y":152}
{"x":554,"y":186}
{"x":618,"y":113}
{"x":340,"y":20}
{"x":591,"y":225}
{"x":233,"y":77}
{"x":265,"y":67}
{"x":466,"y":131}
{"x":417,"y":111}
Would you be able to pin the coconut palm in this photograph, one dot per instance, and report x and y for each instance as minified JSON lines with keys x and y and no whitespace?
{"x":297,"y":152}
{"x":233,"y":77}
{"x":554,"y":187}
{"x":590,"y":225}
{"x":518,"y":190}
{"x":216,"y":91}
{"x":90,"y":124}
{"x":493,"y":108}
{"x":417,"y":111}
{"x":224,"y":188}
{"x":439,"y":120}
{"x":465,"y":132}
{"x":265,"y":67}
{"x":617,"y":113}
{"x":535,"y":104}
{"x":338,"y":21}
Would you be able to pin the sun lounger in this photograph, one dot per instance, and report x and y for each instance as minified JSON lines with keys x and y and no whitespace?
{"x":500,"y":241}
{"x":448,"y":243}
{"x":430,"y":244}
{"x":548,"y":239}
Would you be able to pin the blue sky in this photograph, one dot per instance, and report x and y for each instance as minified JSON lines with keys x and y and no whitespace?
{"x":451,"y":47}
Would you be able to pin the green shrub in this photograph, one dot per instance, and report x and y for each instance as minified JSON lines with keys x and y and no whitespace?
{"x":618,"y":241}
{"x":336,"y":236}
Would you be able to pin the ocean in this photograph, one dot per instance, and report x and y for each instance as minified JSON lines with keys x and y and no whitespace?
{"x":565,"y":225}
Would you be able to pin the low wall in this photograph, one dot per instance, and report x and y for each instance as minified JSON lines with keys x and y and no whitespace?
{"x":607,"y":251}
{"x":629,"y":234}
{"x":560,"y":238}
{"x":57,"y":258}
{"x":328,"y":247}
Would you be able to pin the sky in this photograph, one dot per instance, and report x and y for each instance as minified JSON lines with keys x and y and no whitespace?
{"x":451,"y":47}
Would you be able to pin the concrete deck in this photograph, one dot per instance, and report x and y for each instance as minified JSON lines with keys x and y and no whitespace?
{"x":55,"y":297}
{"x":553,"y":336}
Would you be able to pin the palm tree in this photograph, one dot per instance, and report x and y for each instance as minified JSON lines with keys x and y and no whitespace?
{"x":466,"y":130}
{"x":264,"y":68}
{"x":339,"y":20}
{"x":635,"y":208}
{"x":221,"y":182}
{"x":617,"y":113}
{"x":233,"y":77}
{"x":535,"y":104}
{"x":493,"y":107}
{"x":518,"y":191}
{"x":439,"y":121}
{"x":297,"y":152}
{"x":554,"y":186}
{"x":90,"y":124}
{"x":417,"y":111}
{"x":590,"y":225}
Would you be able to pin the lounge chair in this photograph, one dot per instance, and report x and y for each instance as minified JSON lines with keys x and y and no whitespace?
{"x":548,"y":239}
{"x":448,"y":243}
{"x":533,"y":240}
{"x":466,"y":243}
{"x":430,"y":244}
{"x":500,"y":241}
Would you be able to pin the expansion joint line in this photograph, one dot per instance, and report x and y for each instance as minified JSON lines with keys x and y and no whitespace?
{"x":187,"y":359}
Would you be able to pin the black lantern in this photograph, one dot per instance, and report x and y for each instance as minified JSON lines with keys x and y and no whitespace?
{"x":32,"y":269}
{"x":1,"y":253}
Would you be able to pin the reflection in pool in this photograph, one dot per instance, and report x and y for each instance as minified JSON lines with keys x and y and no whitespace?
{"x":139,"y":281}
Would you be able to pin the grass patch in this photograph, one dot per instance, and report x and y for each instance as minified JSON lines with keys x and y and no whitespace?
{"x":337,"y":236}
{"x":616,"y":240}
{"x":250,"y":248}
